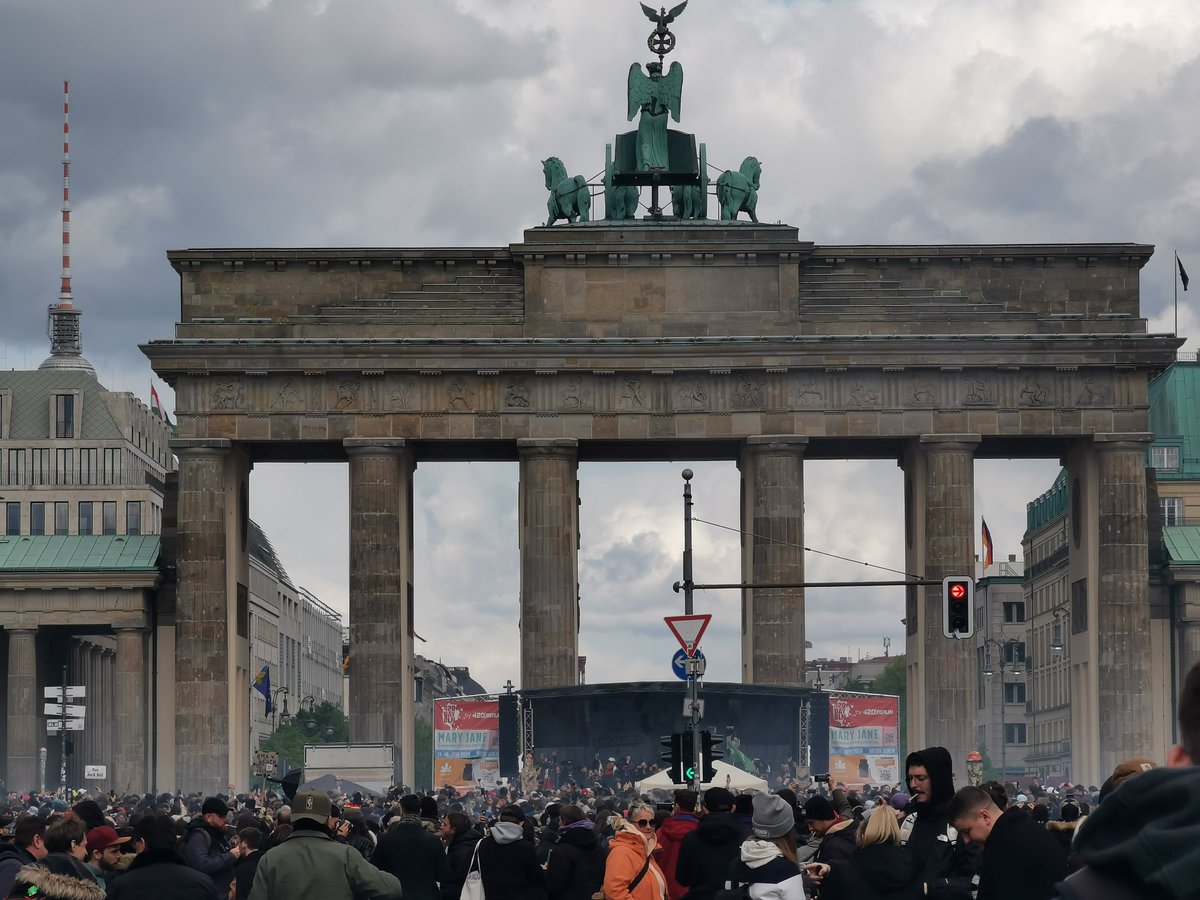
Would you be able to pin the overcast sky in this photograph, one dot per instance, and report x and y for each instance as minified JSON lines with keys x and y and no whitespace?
{"x":421,"y":122}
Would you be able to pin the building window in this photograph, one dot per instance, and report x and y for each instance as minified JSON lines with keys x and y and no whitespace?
{"x":1014,"y":653}
{"x":64,"y":466}
{"x":1014,"y":612}
{"x":62,"y":517}
{"x":112,"y":465}
{"x":37,"y":518}
{"x":64,"y":415}
{"x":41,"y":465}
{"x":1164,"y":457}
{"x":85,"y":517}
{"x":1014,"y":733}
{"x":133,"y":517}
{"x":12,"y":518}
{"x":87,"y":465}
{"x":16,"y":466}
{"x":1172,"y":510}
{"x":1014,"y":692}
{"x":108,"y":520}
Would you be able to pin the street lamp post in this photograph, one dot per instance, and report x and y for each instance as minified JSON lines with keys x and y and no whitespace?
{"x":283,"y":717}
{"x":1001,"y":647}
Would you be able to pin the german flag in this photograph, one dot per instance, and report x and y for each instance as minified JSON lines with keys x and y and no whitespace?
{"x":987,"y":545}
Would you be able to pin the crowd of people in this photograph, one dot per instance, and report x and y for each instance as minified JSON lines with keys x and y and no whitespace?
{"x":1136,"y":836}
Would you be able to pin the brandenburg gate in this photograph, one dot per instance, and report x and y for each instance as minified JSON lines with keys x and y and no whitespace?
{"x":668,"y":339}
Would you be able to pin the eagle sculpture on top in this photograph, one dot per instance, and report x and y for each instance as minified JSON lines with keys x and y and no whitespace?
{"x":662,"y":18}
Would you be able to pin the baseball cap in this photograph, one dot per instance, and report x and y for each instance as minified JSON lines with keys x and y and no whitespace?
{"x":1129,"y":768}
{"x":312,"y":805}
{"x":103,"y":837}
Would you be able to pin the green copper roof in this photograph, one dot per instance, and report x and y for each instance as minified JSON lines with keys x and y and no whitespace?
{"x":31,"y":411}
{"x":1175,"y":418}
{"x":1049,"y":506}
{"x":1183,"y":544}
{"x":79,"y":553}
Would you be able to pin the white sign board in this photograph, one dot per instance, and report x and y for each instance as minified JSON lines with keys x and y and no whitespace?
{"x":95,"y":773}
{"x":56,"y":725}
{"x":688,"y":630}
{"x":74,"y":692}
{"x":56,"y":709}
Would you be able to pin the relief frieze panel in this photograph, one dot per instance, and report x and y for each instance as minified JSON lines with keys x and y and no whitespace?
{"x":663,"y":393}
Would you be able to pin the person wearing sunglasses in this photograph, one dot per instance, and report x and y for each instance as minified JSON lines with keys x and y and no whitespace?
{"x":631,"y":872}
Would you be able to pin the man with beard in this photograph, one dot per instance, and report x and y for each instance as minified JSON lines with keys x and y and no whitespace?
{"x":207,"y":847}
{"x":949,"y":865}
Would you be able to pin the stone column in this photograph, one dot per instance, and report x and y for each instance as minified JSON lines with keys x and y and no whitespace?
{"x":202,"y":648}
{"x":129,"y":709}
{"x":1123,"y":664}
{"x":949,"y":549}
{"x":773,"y":553}
{"x":23,"y":709}
{"x":381,"y":626}
{"x":549,"y":546}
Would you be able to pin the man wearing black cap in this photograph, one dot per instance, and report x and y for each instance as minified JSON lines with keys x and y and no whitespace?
{"x":207,"y":847}
{"x":837,"y":835}
{"x":412,"y":854}
{"x":706,"y":852}
{"x":311,"y":865}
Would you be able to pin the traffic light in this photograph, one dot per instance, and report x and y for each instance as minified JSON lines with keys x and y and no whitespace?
{"x":672,"y":754}
{"x":687,"y":759}
{"x":958,"y":606}
{"x":710,"y":752}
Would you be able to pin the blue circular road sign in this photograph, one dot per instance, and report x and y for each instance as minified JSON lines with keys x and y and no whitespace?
{"x":678,"y":660}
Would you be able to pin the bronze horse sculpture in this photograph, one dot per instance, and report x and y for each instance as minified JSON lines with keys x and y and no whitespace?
{"x":569,"y":196}
{"x":738,"y":191}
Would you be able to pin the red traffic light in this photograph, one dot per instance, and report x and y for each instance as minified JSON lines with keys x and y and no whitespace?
{"x":958,"y":591}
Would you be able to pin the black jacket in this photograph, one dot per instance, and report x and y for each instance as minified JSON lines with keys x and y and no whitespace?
{"x":508,"y":864}
{"x":243,"y":873}
{"x":838,"y":844}
{"x":1143,"y":841}
{"x":877,"y":872}
{"x":414,"y":856}
{"x":575,"y":865}
{"x":159,"y":874}
{"x":706,"y":853}
{"x":458,"y":859}
{"x":206,"y":850}
{"x":1021,"y":860}
{"x":12,"y":859}
{"x":948,"y":867}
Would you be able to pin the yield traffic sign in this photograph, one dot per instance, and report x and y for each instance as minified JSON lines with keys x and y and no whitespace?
{"x":688,"y":630}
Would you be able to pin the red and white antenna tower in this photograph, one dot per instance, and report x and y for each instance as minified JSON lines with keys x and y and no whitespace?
{"x":64,"y":296}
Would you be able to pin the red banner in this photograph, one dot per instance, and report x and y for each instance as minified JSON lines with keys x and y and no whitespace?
{"x":466,"y":744}
{"x":864,"y":734}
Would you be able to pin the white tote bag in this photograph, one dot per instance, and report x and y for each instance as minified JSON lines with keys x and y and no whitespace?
{"x":472,"y":888}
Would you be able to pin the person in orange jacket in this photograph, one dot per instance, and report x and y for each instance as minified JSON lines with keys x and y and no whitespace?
{"x":631,"y":872}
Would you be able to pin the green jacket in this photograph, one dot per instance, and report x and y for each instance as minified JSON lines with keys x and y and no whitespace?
{"x":310,"y":865}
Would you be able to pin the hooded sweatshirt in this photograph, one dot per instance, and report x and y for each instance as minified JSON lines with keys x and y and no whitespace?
{"x":1143,"y":841}
{"x":670,"y":838}
{"x":947,"y":864}
{"x":508,"y":864}
{"x":769,"y":874}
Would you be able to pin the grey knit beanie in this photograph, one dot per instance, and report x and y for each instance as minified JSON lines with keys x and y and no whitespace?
{"x":772,"y":816}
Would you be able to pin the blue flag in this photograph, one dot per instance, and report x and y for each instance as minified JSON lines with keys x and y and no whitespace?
{"x":262,"y":684}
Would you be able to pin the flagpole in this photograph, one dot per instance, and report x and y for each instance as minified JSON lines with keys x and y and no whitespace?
{"x":1175,"y":281}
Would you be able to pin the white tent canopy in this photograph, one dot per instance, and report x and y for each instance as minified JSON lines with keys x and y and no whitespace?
{"x":727,"y":777}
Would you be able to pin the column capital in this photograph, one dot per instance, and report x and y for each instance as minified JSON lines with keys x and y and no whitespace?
{"x":527,"y":447}
{"x":777,"y":443}
{"x":128,"y":627}
{"x":1131,"y":440}
{"x":950,"y":441}
{"x":201,"y":446}
{"x":21,"y":629}
{"x":376,"y":446}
